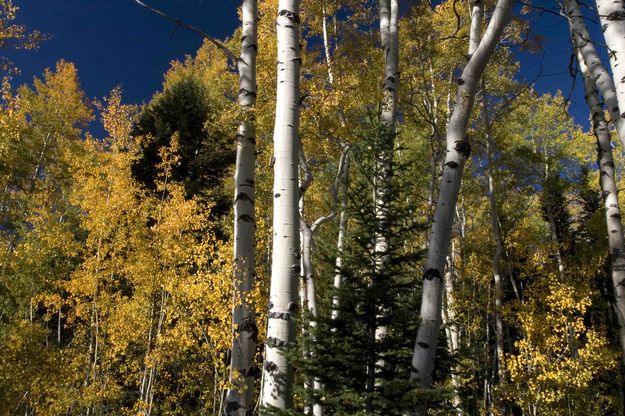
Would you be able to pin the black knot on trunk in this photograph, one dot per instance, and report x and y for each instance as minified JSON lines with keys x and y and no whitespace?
{"x":277,"y":343}
{"x":250,"y":371}
{"x":250,"y":327}
{"x":616,"y":15}
{"x":293,"y":17}
{"x":463,"y":147}
{"x":293,"y":307}
{"x":423,"y":344}
{"x":452,"y":164}
{"x":232,"y":407}
{"x":271,"y":367}
{"x":460,"y":81}
{"x":431,"y":274}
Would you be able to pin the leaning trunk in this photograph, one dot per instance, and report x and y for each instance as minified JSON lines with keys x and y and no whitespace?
{"x":283,"y":305}
{"x":612,"y":17}
{"x":240,"y":396}
{"x":594,"y":65}
{"x":609,"y":190}
{"x":457,"y":153}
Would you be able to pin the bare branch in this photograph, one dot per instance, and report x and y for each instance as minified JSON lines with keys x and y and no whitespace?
{"x":334,"y":190}
{"x":179,"y":23}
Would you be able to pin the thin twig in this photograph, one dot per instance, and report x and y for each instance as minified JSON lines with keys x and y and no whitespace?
{"x":179,"y":23}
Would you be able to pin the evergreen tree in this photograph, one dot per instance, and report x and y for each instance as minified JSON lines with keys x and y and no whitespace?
{"x":205,"y":152}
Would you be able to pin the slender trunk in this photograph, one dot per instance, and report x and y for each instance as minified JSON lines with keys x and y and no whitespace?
{"x":340,"y":243}
{"x":475,"y":32}
{"x":607,"y":180}
{"x":283,"y":303}
{"x":389,"y":36}
{"x":326,"y":43}
{"x":240,"y":396}
{"x":451,"y":327}
{"x":497,"y":255}
{"x":457,"y":153}
{"x":612,"y":18}
{"x":604,"y":82}
{"x":307,"y":232}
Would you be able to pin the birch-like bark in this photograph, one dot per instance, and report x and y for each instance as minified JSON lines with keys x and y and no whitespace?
{"x":283,"y":304}
{"x":604,"y":82}
{"x":340,"y":242}
{"x":458,"y":150}
{"x":389,"y":11}
{"x":240,"y":396}
{"x":389,"y":28}
{"x":326,"y":43}
{"x":609,"y":190}
{"x":612,"y":18}
{"x":475,"y":32}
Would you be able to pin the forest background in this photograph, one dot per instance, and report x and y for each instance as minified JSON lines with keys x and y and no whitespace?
{"x":116,"y":272}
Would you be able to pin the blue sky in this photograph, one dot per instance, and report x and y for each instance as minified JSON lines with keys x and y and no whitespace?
{"x":116,"y":42}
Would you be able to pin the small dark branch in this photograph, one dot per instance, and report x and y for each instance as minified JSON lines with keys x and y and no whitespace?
{"x":334,"y":190}
{"x":179,"y":23}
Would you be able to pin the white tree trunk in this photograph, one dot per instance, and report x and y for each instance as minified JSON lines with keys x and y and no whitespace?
{"x":607,"y":180}
{"x":283,"y":304}
{"x":457,"y":153}
{"x":475,"y":32}
{"x":389,"y":15}
{"x":240,"y":396}
{"x":603,"y":80}
{"x":612,"y":18}
{"x":340,"y":242}
{"x":389,"y":36}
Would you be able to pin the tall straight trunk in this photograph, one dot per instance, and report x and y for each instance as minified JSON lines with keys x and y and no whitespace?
{"x":340,"y":241}
{"x":389,"y":28}
{"x":499,"y":375}
{"x":283,"y":304}
{"x":609,"y":190}
{"x":612,"y":18}
{"x":458,"y":150}
{"x":604,"y":82}
{"x":240,"y":396}
{"x":389,"y":11}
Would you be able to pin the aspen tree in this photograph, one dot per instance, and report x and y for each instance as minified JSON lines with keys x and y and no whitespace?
{"x":283,"y":304}
{"x":389,"y":36}
{"x":609,"y":191}
{"x":458,"y":149}
{"x":604,"y":82}
{"x":240,"y":396}
{"x":612,"y":18}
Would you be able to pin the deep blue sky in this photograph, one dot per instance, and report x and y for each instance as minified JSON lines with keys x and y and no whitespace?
{"x":116,"y":42}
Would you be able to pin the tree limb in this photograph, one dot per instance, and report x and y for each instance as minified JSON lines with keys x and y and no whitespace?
{"x":179,"y":23}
